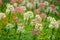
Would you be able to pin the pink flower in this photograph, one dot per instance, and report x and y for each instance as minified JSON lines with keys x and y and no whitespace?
{"x":52,"y":6}
{"x":43,"y":15}
{"x":14,"y":11}
{"x":15,"y":19}
{"x":37,"y":11}
{"x":35,"y":31}
{"x":20,"y":10}
{"x":1,"y":1}
{"x":13,"y":1}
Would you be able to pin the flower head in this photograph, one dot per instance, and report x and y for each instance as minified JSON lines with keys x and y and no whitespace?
{"x":9,"y":25}
{"x":1,"y":1}
{"x":20,"y":28}
{"x":43,"y":15}
{"x":28,"y":15}
{"x":35,"y":31}
{"x":2,"y":15}
{"x":20,"y":9}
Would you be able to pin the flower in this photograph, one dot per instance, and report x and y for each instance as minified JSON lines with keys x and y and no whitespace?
{"x":28,"y":14}
{"x":35,"y":31}
{"x":39,"y":26}
{"x":53,"y":23}
{"x":9,"y":25}
{"x":20,"y":28}
{"x":48,"y":9}
{"x":46,"y":3}
{"x":51,"y":19}
{"x":43,"y":15}
{"x":15,"y":19}
{"x":12,"y":1}
{"x":7,"y":11}
{"x":30,"y":5}
{"x":37,"y":20}
{"x":52,"y":6}
{"x":15,"y":4}
{"x":9,"y":8}
{"x":20,"y":9}
{"x":37,"y":11}
{"x":1,"y":1}
{"x":2,"y":15}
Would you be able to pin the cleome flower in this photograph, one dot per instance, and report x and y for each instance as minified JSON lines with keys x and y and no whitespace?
{"x":28,"y":14}
{"x":20,"y":28}
{"x":37,"y":20}
{"x":36,"y":31}
{"x":20,"y":9}
{"x":15,"y":4}
{"x":46,"y":3}
{"x":39,"y":26}
{"x":51,"y":19}
{"x":53,"y":23}
{"x":9,"y":8}
{"x":9,"y":25}
{"x":30,"y":5}
{"x":2,"y":15}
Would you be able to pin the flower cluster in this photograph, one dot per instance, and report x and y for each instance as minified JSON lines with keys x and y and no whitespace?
{"x":29,"y":20}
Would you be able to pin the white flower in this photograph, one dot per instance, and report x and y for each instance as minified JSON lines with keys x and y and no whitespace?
{"x":56,"y":25}
{"x":28,"y":15}
{"x":15,"y":4}
{"x":53,"y":23}
{"x":48,"y":10}
{"x":51,"y":19}
{"x":2,"y":15}
{"x":9,"y":6}
{"x":29,"y":5}
{"x":9,"y":25}
{"x":39,"y":26}
{"x":7,"y":10}
{"x":46,"y":3}
{"x":20,"y":28}
{"x":38,"y":17}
